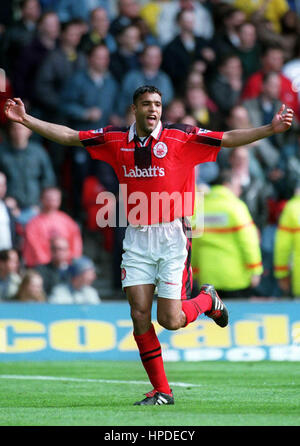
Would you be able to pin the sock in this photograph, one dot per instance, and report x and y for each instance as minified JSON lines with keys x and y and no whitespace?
{"x":150,"y":353}
{"x":192,"y":308}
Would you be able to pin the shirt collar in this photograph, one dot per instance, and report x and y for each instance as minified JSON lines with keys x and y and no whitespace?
{"x":155,"y":134}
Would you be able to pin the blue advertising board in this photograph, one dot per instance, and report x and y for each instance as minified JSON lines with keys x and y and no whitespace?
{"x":257,"y":331}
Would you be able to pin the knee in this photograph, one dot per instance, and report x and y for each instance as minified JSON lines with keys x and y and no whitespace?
{"x":168,"y":322}
{"x":140,"y":318}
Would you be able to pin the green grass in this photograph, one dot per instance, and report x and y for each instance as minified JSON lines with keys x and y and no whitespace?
{"x":228,"y":394}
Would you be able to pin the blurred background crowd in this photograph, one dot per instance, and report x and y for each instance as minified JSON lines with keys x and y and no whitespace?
{"x":221,"y":65}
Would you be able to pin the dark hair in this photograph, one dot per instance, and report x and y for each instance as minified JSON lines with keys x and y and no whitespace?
{"x":4,"y":254}
{"x":270,"y":47}
{"x":266,"y":76}
{"x":180,"y":13}
{"x":93,"y":48}
{"x":73,"y":22}
{"x":145,"y":89}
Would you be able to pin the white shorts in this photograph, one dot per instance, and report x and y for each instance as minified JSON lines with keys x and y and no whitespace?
{"x":155,"y":255}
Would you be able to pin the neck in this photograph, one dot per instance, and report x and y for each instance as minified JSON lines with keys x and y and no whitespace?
{"x":96,"y":74}
{"x":141,"y":133}
{"x":149,"y":72}
{"x":187,"y":35}
{"x":49,"y":211}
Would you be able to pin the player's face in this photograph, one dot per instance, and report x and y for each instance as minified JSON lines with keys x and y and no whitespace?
{"x":147,"y":112}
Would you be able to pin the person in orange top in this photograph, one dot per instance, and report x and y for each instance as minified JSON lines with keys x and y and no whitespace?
{"x":49,"y":224}
{"x":272,"y":60}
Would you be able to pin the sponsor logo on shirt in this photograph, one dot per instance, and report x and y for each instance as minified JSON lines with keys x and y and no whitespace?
{"x":203,"y":131}
{"x":152,"y":171}
{"x":160,"y":150}
{"x":97,"y":131}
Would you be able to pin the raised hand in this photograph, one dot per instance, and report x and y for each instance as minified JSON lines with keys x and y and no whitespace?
{"x":14,"y":110}
{"x":282,"y":120}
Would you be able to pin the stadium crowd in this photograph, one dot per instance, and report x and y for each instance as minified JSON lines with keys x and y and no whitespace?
{"x":220,"y":65}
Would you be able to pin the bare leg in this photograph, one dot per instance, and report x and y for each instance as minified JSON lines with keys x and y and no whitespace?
{"x":140,"y":298}
{"x":170,"y":314}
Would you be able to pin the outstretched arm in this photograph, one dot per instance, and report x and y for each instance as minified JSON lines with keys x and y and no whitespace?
{"x":281,"y":122}
{"x":14,"y":110}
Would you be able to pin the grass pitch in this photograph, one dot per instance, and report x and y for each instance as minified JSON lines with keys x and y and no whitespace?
{"x":91,"y":393}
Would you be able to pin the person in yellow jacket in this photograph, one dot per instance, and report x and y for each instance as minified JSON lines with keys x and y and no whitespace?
{"x":272,"y":10}
{"x":287,"y":247}
{"x":228,"y":253}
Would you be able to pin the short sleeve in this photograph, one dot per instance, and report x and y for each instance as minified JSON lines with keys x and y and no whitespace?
{"x":98,"y":145}
{"x":203,"y":146}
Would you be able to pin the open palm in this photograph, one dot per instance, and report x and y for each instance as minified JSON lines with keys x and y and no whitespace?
{"x":282,"y":120}
{"x":14,"y":110}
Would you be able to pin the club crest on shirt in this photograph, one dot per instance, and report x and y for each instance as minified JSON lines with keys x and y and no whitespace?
{"x":160,"y":150}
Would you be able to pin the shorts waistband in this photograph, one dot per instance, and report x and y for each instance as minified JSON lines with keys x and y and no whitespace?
{"x":156,"y":225}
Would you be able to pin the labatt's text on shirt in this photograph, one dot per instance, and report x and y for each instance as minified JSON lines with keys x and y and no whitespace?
{"x":152,"y":171}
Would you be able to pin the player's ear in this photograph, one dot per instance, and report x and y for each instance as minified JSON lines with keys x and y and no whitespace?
{"x":133,"y":108}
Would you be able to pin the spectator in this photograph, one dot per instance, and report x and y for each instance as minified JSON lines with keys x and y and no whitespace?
{"x":200,"y":106}
{"x":195,"y":79}
{"x":27,"y":167}
{"x":89,"y":96}
{"x":7,"y":221}
{"x":88,"y":101}
{"x":175,"y":111}
{"x":57,"y":270}
{"x":291,"y":69}
{"x":79,"y":290}
{"x":56,"y":69}
{"x":260,"y":108}
{"x":254,"y":191}
{"x":228,"y":252}
{"x":80,"y":9}
{"x":272,"y":10}
{"x":98,"y":32}
{"x":249,"y":49}
{"x":19,"y":34}
{"x":287,"y":248}
{"x":167,"y":27}
{"x":272,"y":59}
{"x":33,"y":55}
{"x":289,"y":163}
{"x":10,"y":278}
{"x":290,"y":30}
{"x":147,"y":37}
{"x":128,"y":11}
{"x":185,"y":49}
{"x":227,"y":40}
{"x":259,"y":157}
{"x":54,"y":72}
{"x":149,"y":74}
{"x":127,"y":55}
{"x":226,"y":86}
{"x":50,"y":223}
{"x":31,"y":289}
